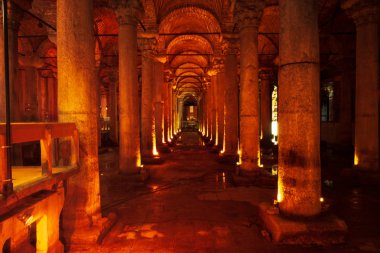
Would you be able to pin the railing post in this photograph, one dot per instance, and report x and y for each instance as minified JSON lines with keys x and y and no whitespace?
{"x":3,"y":164}
{"x":75,"y":148}
{"x":46,"y":153}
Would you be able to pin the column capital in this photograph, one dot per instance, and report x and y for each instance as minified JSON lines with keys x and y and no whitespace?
{"x":127,"y":11}
{"x":231,"y":46}
{"x":218,"y":64}
{"x":249,"y":14}
{"x":362,"y":11}
{"x":266,"y":74}
{"x":148,"y":47}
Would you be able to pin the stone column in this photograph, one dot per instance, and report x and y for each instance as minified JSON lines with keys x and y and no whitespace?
{"x":205,"y":113}
{"x":43,"y":96}
{"x":170,"y":110}
{"x":129,"y":116}
{"x":114,"y":126}
{"x":299,"y":178}
{"x":76,"y":77}
{"x":345,"y":100}
{"x":159,"y":100}
{"x":174,"y":112}
{"x":366,"y":17}
{"x":214,"y":119}
{"x":2,"y":74}
{"x":231,"y":101}
{"x":52,"y":98}
{"x":148,"y":84}
{"x":14,"y":17}
{"x":248,"y":21}
{"x":30,"y":104}
{"x":165,"y":98}
{"x":220,"y":101}
{"x":266,"y":105}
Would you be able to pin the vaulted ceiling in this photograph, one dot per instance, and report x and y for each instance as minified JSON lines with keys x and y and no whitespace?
{"x":190,"y":34}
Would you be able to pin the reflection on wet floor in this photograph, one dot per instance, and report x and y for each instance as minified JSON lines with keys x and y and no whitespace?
{"x":193,"y":203}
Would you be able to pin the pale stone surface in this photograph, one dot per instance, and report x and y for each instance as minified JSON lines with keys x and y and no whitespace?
{"x":299,"y":179}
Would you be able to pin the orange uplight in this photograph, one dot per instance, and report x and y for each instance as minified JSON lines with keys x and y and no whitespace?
{"x":138,"y":161}
{"x":239,"y":155}
{"x":259,"y":159}
{"x":155,"y":152}
{"x":280,"y":191}
{"x":356,"y":159}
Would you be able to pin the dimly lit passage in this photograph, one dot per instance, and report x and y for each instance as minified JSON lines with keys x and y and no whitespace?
{"x":189,"y":126}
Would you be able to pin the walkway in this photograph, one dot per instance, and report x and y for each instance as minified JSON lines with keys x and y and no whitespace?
{"x":190,"y":204}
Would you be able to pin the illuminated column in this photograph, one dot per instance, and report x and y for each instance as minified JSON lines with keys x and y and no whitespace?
{"x":170,"y":110}
{"x":14,"y":17}
{"x":231,"y":100}
{"x":266,"y":102}
{"x":30,"y":87}
{"x":129,"y":116}
{"x":2,"y":74}
{"x":248,"y":21}
{"x":114,"y":131}
{"x":220,"y":101}
{"x":214,"y":123}
{"x":299,"y":178}
{"x":174,"y":112}
{"x":148,"y":85}
{"x":346,"y":102}
{"x":209,"y":111}
{"x":43,"y":96}
{"x":366,"y":17}
{"x":76,"y":78}
{"x":159,"y":99}
{"x":165,"y":98}
{"x":52,"y":92}
{"x":179,"y":113}
{"x":205,"y":120}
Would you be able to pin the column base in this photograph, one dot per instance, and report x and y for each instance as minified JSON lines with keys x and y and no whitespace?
{"x":164,"y":149}
{"x":215,"y":150}
{"x":82,"y":236}
{"x":150,"y":159}
{"x":259,"y":177}
{"x":326,"y":229}
{"x":228,"y":158}
{"x":249,"y":165}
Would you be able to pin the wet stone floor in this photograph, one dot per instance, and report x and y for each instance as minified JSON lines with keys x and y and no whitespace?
{"x":193,"y":203}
